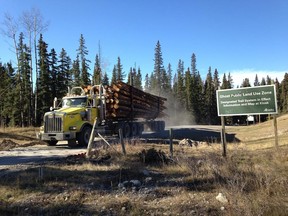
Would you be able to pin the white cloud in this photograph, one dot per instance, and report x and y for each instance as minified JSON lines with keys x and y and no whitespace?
{"x":239,"y":75}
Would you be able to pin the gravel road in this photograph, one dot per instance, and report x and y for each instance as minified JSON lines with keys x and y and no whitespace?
{"x":37,"y":153}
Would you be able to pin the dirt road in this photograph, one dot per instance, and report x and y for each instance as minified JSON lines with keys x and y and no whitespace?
{"x":35,"y":154}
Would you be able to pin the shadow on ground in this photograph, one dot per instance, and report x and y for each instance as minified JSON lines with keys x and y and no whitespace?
{"x":197,"y":134}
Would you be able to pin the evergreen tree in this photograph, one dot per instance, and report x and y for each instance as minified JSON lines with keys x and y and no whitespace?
{"x":224,"y":84}
{"x":245,"y":83}
{"x":230,"y":81}
{"x":131,"y":76}
{"x":175,"y":85}
{"x":256,"y":81}
{"x":284,"y":94}
{"x":76,"y":72}
{"x":44,"y":91}
{"x":216,"y":81}
{"x":216,"y":84}
{"x":7,"y":95}
{"x":263,"y":81}
{"x":278,"y":94}
{"x":55,"y":84}
{"x":138,"y":79}
{"x":24,"y":83}
{"x":180,"y":82}
{"x":64,"y":73}
{"x":187,"y":92}
{"x":147,"y":85}
{"x":169,"y":77}
{"x":158,"y":69}
{"x":97,"y":72}
{"x":84,"y":62}
{"x":119,"y":70}
{"x":268,"y":80}
{"x":105,"y":80}
{"x":209,"y":95}
{"x":196,"y":96}
{"x":154,"y":88}
{"x":114,"y":75}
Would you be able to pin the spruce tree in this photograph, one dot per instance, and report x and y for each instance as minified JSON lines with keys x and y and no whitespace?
{"x":209,"y":95}
{"x":216,"y":81}
{"x":6,"y":94}
{"x":97,"y":71}
{"x":131,"y":77}
{"x":169,"y":77}
{"x":120,"y":74}
{"x":44,"y":91}
{"x":263,"y":81}
{"x":158,"y":69}
{"x":24,"y":83}
{"x":64,"y":73}
{"x":256,"y":81}
{"x":284,"y":94}
{"x":245,"y":83}
{"x":216,"y":84}
{"x":230,"y":81}
{"x":147,"y":83}
{"x":55,"y":84}
{"x":196,"y":96}
{"x":105,"y":80}
{"x":224,"y":84}
{"x":76,"y":72}
{"x":180,"y":82}
{"x":138,"y":79}
{"x":114,"y":75}
{"x":84,"y":62}
{"x":187,"y":87}
{"x":268,"y":80}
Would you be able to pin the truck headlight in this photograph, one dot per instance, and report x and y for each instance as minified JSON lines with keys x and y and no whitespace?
{"x":72,"y":128}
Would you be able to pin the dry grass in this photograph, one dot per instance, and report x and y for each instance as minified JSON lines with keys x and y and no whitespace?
{"x":253,"y":177}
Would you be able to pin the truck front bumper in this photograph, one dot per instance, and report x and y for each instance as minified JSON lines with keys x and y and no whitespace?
{"x":57,"y":136}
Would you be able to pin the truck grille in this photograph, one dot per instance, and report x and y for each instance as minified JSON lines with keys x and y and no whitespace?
{"x":53,"y":124}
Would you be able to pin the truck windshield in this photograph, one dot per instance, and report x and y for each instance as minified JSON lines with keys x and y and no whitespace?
{"x":74,"y":102}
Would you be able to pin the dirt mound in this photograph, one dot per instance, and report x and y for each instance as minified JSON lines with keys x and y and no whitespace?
{"x":7,"y":144}
{"x":154,"y":157}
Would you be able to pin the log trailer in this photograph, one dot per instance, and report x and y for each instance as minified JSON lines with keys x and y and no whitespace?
{"x":120,"y":106}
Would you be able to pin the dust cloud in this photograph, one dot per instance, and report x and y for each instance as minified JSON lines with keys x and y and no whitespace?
{"x":176,"y":112}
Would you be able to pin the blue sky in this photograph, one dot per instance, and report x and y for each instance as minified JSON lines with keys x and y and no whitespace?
{"x":243,"y":37}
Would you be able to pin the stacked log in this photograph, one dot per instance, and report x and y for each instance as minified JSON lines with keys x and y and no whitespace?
{"x":125,"y":101}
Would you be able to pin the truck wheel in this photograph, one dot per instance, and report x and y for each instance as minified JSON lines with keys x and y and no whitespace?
{"x":84,"y":136}
{"x":161,"y":125}
{"x":134,"y":129}
{"x":51,"y":142}
{"x":126,"y":130}
{"x":140,"y":129}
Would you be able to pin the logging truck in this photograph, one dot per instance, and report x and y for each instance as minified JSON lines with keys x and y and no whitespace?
{"x":115,"y":107}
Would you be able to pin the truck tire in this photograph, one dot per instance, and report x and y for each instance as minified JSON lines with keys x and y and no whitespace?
{"x":161,"y":126}
{"x":84,"y":136}
{"x":51,"y":142}
{"x":126,"y":130}
{"x":134,"y":129}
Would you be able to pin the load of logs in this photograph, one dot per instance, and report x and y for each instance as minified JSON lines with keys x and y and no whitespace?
{"x":126,"y":101}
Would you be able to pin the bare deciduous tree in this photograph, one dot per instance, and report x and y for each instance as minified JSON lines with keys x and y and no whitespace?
{"x":10,"y":29}
{"x":34,"y":25}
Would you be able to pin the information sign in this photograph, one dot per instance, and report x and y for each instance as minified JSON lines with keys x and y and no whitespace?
{"x":247,"y":101}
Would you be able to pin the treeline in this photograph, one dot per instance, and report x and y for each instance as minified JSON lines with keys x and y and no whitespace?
{"x":25,"y":97}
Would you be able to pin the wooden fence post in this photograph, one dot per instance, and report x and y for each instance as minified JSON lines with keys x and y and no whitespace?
{"x":171,"y":142}
{"x":91,"y":139}
{"x":122,"y":141}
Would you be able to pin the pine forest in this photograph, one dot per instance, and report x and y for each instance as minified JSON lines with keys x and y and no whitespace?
{"x":29,"y":86}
